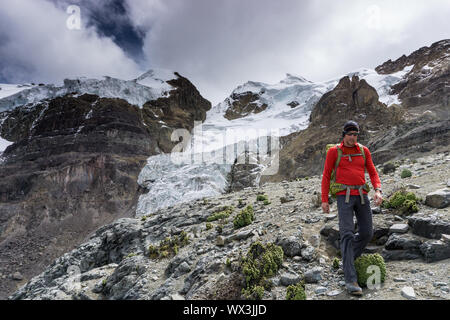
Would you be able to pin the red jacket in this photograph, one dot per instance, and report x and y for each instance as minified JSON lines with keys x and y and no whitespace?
{"x":350,"y":173}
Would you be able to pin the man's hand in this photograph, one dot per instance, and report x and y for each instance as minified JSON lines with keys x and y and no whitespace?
{"x":326,"y":207}
{"x":378,"y":198}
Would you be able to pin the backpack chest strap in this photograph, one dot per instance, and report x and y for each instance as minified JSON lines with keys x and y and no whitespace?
{"x":351,"y":155}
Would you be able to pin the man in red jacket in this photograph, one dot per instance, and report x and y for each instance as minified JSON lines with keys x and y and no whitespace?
{"x":351,"y":172}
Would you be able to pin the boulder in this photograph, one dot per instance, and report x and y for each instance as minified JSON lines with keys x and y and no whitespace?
{"x":429,"y":227}
{"x":308,"y":253}
{"x":403,"y":242}
{"x":289,"y":278}
{"x":438,"y":199}
{"x":435,"y":250}
{"x":331,"y":233}
{"x":408,"y":293}
{"x":313,"y":275}
{"x":398,"y":228}
{"x":291,"y":246}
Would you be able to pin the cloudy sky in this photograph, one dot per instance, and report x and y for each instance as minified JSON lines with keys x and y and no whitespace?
{"x":217,"y":44}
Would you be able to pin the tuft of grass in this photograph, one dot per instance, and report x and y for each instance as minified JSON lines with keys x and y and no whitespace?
{"x":262,"y":261}
{"x":244,"y":218}
{"x":405,"y":173}
{"x":261,"y":197}
{"x":223,"y":213}
{"x":169,"y":246}
{"x":363,"y":262}
{"x":296,"y":291}
{"x":404,"y":201}
{"x":336,"y":263}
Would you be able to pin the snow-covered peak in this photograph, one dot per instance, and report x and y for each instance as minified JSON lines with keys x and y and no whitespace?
{"x":157,"y":80}
{"x":289,"y":105}
{"x":250,"y":86}
{"x":10,"y":89}
{"x":293,"y":79}
{"x":157,"y":74}
{"x":149,"y":86}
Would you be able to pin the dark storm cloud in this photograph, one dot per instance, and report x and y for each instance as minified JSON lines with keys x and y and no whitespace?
{"x":37,"y":46}
{"x":111,"y":19}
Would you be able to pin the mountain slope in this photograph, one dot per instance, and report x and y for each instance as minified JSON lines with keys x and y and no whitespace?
{"x":75,"y":160}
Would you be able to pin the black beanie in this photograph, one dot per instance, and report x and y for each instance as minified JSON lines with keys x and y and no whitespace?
{"x":350,"y":126}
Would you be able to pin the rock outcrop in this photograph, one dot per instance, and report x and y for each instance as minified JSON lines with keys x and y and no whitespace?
{"x":427,"y":82}
{"x":242,"y":104}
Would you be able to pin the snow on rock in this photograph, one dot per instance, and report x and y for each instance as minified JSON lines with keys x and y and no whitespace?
{"x":4,"y":144}
{"x":149,"y":86}
{"x":10,"y":89}
{"x":382,"y":82}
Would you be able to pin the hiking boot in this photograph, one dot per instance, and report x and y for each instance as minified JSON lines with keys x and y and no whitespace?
{"x":353,"y":288}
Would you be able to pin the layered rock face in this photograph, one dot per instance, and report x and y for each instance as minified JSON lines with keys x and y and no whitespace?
{"x":74,"y":167}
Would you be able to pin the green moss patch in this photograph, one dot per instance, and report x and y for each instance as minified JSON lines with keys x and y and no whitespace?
{"x":404,"y":201}
{"x":362,"y":264}
{"x":405,"y":173}
{"x":244,"y":218}
{"x":260,"y":263}
{"x":261,"y":197}
{"x":336,"y":263}
{"x":296,"y":291}
{"x":223,"y":213}
{"x":169,"y":246}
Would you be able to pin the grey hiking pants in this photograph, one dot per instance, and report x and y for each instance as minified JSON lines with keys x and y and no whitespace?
{"x":352,"y":245}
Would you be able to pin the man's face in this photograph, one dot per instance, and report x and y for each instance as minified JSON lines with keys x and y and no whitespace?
{"x":350,"y":138}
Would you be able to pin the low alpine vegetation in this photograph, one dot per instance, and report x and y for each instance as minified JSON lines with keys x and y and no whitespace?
{"x":405,"y":173}
{"x":260,"y":263}
{"x":404,"y":201}
{"x":296,"y":291}
{"x":244,"y":218}
{"x":223,"y":213}
{"x":169,"y":246}
{"x":362,"y":264}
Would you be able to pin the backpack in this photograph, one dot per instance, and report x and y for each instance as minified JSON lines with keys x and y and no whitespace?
{"x":336,"y":187}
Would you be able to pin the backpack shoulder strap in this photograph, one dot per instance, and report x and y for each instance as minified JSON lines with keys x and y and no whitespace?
{"x":336,"y":163}
{"x":361,"y":148}
{"x":339,"y":151}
